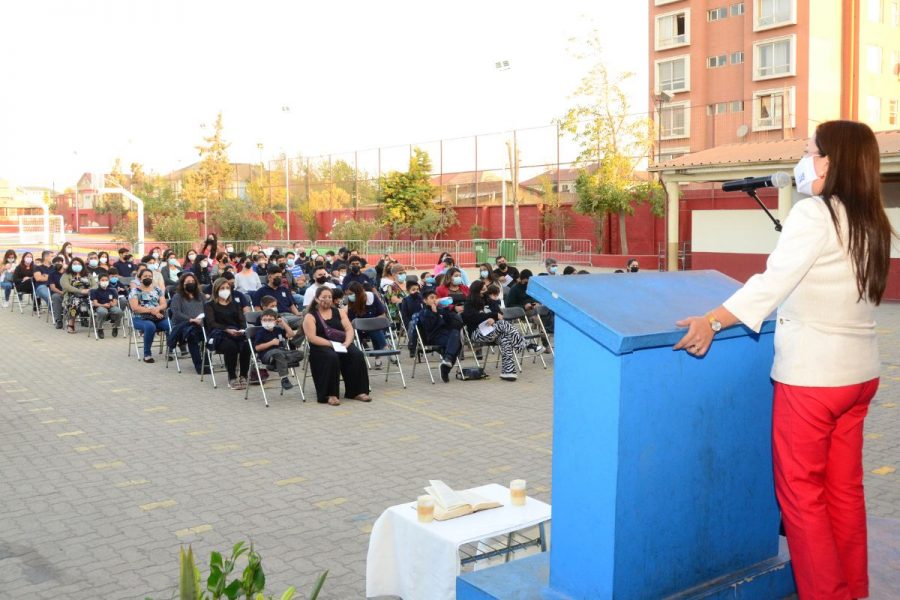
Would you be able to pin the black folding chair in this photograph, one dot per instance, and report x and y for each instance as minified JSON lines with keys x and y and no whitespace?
{"x":257,"y":363}
{"x":391,"y":351}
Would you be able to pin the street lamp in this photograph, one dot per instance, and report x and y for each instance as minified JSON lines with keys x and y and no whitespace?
{"x":286,"y":110}
{"x":662,"y":98}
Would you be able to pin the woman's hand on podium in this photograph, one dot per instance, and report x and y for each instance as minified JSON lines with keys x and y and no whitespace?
{"x":700,"y":331}
{"x":698,"y":338}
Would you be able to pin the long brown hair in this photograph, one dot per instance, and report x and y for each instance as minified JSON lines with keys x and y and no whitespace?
{"x":854,"y":178}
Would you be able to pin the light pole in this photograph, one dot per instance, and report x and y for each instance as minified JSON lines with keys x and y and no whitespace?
{"x":662,"y":98}
{"x":500,"y":66}
{"x":287,"y":182}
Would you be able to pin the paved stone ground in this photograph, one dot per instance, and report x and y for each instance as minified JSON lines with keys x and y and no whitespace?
{"x":108,"y":464}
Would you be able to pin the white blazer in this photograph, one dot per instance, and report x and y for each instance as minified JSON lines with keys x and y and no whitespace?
{"x":824,"y":335}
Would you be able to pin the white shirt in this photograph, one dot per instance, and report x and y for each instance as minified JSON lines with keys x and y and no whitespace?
{"x":310,"y":293}
{"x":824,"y":335}
{"x":247,"y":283}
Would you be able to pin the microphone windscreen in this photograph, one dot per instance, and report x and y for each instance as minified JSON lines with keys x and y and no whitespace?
{"x":781,"y":179}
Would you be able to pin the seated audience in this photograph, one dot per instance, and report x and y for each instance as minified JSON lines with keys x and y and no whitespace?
{"x":148,"y":305}
{"x":276,"y":288}
{"x":225,"y":324}
{"x":188,"y":312}
{"x":364,"y":305}
{"x":268,"y":340}
{"x":105,"y":302}
{"x":439,"y":325}
{"x":76,"y":286}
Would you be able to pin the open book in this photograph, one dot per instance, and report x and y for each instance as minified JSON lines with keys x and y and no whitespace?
{"x":449,"y":504}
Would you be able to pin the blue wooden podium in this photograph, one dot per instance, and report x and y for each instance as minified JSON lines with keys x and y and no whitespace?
{"x":662,"y":469}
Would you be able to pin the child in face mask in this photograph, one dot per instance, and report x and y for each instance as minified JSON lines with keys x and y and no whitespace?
{"x":267,"y":342}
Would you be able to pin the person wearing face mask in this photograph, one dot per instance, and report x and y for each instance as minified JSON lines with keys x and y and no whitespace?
{"x":189,"y":258}
{"x":6,"y":275}
{"x":327,"y":328}
{"x":505,"y":273}
{"x":483,"y":306}
{"x":452,"y":283}
{"x":103,"y":259}
{"x":362,"y":304}
{"x":66,"y":251}
{"x":200,"y":268}
{"x":275,"y":288}
{"x":261,"y":264}
{"x":76,"y":286}
{"x":153,"y":264}
{"x":91,"y":268}
{"x":393,"y":289}
{"x":551,"y":267}
{"x":23,"y":275}
{"x":320,"y":279}
{"x":486,"y":274}
{"x":54,"y":283}
{"x":246,"y":280}
{"x":632,"y":266}
{"x":355,"y":274}
{"x":125,"y":266}
{"x":210,"y":245}
{"x":148,"y":305}
{"x":226,"y":325}
{"x":105,"y":301}
{"x":42,"y":269}
{"x":439,"y":325}
{"x":268,"y":340}
{"x":170,"y":273}
{"x":117,"y":284}
{"x":412,"y":303}
{"x":188,"y":312}
{"x":826,"y":276}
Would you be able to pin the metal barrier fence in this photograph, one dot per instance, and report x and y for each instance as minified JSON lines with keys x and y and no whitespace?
{"x":417,"y":254}
{"x":569,"y":252}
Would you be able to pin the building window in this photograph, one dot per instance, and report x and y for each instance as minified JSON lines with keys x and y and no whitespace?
{"x":672,"y":153}
{"x":737,"y":9}
{"x":773,"y":109}
{"x":774,"y":58}
{"x":673,"y":75}
{"x":661,"y":2}
{"x":720,"y":108}
{"x":736,"y":106}
{"x":717,"y":14}
{"x":895,"y":13}
{"x":737,"y":58}
{"x":717,"y":61}
{"x":874,"y":59}
{"x":674,"y":121}
{"x":873,"y":109}
{"x":876,"y":10}
{"x":893,"y":112}
{"x":774,"y":13}
{"x":673,"y":30}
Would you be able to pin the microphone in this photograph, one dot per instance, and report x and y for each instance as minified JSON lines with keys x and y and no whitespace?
{"x":777,"y":180}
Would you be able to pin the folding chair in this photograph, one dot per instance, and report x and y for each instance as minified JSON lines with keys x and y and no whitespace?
{"x":38,"y":301}
{"x":206,"y":355}
{"x":17,"y":298}
{"x":171,"y":353}
{"x":256,"y":362}
{"x":133,"y":334}
{"x":424,"y":350}
{"x":363,"y":325}
{"x":475,"y":346}
{"x":516,"y":314}
{"x":542,"y":311}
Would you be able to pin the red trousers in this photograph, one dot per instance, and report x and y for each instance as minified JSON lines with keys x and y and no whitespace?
{"x":817,"y":438}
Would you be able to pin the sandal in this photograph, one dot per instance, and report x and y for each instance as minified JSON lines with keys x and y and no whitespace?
{"x":70,"y":328}
{"x":334,"y":401}
{"x":364,"y":398}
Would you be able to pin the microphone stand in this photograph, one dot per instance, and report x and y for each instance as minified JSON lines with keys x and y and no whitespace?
{"x":752,"y":194}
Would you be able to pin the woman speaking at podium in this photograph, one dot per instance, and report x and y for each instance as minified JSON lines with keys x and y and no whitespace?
{"x":826,"y":276}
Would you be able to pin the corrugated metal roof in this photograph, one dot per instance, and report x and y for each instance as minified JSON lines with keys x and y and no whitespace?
{"x":763,"y":152}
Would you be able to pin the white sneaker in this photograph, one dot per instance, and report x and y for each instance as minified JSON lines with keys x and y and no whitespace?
{"x":509,"y":376}
{"x":6,"y":304}
{"x":537,"y":348}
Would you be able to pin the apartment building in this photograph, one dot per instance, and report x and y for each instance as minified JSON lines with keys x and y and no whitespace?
{"x":727,"y":71}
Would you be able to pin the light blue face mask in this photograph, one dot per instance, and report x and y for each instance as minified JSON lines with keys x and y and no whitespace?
{"x":351,"y":298}
{"x":401,"y":277}
{"x":445,"y":302}
{"x":430,"y":280}
{"x":76,"y":268}
{"x":457,"y":280}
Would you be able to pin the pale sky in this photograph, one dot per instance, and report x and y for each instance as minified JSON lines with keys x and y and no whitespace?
{"x":85,"y":81}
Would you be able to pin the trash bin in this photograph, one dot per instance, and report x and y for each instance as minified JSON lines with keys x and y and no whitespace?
{"x":510,"y":250}
{"x":481,"y":251}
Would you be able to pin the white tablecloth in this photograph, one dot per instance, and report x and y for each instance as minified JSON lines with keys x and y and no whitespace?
{"x":420,"y":561}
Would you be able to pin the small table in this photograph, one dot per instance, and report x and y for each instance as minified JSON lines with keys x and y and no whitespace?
{"x":420,"y":561}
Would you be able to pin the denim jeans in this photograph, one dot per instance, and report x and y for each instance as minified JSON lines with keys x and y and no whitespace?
{"x":149,"y":328}
{"x":43,"y":292}
{"x":7,"y":289}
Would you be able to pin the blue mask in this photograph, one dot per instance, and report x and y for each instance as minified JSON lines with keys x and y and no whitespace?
{"x":76,"y":268}
{"x":114,"y":280}
{"x":457,"y":280}
{"x":445,"y":302}
{"x":429,"y":280}
{"x":401,"y":277}
{"x":351,"y":298}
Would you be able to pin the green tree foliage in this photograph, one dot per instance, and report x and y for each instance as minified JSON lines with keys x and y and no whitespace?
{"x":125,"y":230}
{"x":239,"y":220}
{"x":351,"y":229}
{"x":175,"y":228}
{"x":265,"y":188}
{"x":407,"y":195}
{"x":311,"y":227}
{"x":114,"y":205}
{"x":435,"y":221}
{"x":612,"y":143}
{"x":211,"y":178}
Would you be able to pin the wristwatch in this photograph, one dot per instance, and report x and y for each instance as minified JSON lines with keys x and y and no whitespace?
{"x":714,"y":323}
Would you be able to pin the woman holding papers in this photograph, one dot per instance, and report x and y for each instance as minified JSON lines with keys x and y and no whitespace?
{"x":485,"y":324}
{"x":332,"y":352}
{"x":826,"y":276}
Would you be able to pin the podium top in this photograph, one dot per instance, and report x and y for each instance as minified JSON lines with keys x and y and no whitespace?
{"x":625,"y":312}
